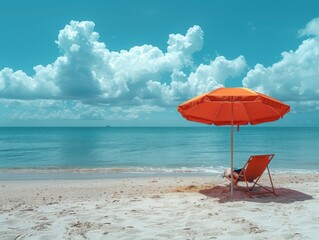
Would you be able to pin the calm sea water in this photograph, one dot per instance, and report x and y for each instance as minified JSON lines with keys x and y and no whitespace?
{"x":198,"y":149}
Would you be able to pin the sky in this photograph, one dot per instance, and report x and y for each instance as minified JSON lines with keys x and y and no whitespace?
{"x":131,"y":63}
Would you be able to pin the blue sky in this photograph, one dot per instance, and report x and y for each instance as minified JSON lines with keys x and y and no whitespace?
{"x":131,"y":63}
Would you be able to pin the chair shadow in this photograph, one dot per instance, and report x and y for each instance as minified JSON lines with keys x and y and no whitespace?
{"x":285,"y":195}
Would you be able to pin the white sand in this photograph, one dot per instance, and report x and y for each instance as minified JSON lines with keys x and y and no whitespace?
{"x":157,"y":208}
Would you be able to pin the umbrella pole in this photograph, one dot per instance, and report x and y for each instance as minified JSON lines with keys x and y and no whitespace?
{"x":232,"y":150}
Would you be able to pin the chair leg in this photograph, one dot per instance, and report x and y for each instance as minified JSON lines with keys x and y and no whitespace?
{"x":272,"y":190}
{"x":255,"y":182}
{"x":272,"y":185}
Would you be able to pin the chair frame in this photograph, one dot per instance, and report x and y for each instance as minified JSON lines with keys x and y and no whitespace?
{"x":241,"y":177}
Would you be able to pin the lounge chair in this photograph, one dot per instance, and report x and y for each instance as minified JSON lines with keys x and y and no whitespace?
{"x":251,"y":173}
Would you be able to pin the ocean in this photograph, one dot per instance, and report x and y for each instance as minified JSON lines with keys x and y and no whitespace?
{"x":134,"y":151}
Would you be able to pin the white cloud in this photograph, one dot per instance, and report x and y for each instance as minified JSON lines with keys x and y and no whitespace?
{"x":143,"y":75}
{"x":20,"y":86}
{"x":205,"y":78}
{"x":52,"y":110}
{"x":88,"y":72}
{"x":90,"y":82}
{"x":190,"y":43}
{"x":296,"y":76}
{"x":70,"y":110}
{"x":312,"y":28}
{"x":37,"y":110}
{"x":135,"y":111}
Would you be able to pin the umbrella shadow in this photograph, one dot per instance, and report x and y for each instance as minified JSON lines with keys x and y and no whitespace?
{"x":285,"y":195}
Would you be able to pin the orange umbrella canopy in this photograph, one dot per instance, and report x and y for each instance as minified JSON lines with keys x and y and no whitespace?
{"x":233,"y":106}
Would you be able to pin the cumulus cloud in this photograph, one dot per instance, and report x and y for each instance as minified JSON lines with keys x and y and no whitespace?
{"x":312,"y":28}
{"x":88,"y":81}
{"x":89,"y":72}
{"x":205,"y":78}
{"x":18,"y":85}
{"x":296,"y":76}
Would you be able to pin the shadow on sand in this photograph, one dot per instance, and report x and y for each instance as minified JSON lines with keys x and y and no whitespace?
{"x":285,"y":195}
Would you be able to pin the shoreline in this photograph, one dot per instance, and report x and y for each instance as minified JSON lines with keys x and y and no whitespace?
{"x":8,"y":174}
{"x":158,"y":208}
{"x":32,"y":176}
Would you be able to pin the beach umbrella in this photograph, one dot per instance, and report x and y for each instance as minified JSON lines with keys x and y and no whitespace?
{"x":233,"y":106}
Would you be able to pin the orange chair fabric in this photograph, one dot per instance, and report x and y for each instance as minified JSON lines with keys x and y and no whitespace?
{"x":251,"y":173}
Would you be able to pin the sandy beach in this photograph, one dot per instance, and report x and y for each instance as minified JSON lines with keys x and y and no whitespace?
{"x":158,"y":208}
